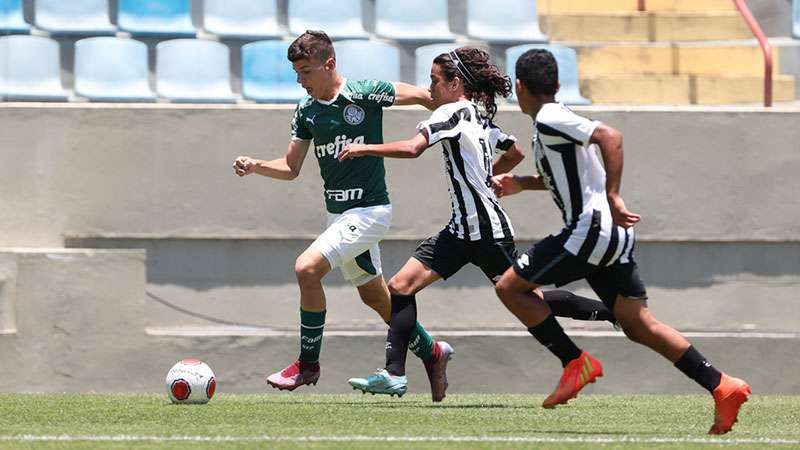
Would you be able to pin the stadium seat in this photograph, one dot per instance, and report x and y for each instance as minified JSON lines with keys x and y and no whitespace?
{"x":424,"y":57}
{"x":112,"y":69}
{"x":504,"y":21}
{"x":366,"y":60}
{"x":156,"y":17}
{"x":341,"y":19}
{"x":267,"y":76}
{"x":32,"y":69}
{"x":567,"y":60}
{"x":74,"y":17}
{"x":193,"y":70}
{"x":796,"y":20}
{"x":241,"y":19}
{"x":413,"y":20}
{"x":11,"y":17}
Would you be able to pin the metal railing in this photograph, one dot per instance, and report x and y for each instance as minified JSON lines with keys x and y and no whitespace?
{"x":765,"y":47}
{"x":762,"y":41}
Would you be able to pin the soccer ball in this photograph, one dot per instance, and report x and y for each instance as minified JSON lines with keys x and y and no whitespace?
{"x":190,"y":381}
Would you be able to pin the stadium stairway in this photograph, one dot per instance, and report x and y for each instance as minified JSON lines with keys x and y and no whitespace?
{"x":678,"y":52}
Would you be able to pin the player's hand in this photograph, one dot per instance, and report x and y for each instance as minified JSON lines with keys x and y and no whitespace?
{"x":506,"y":184}
{"x":244,"y":165}
{"x":620,"y":213}
{"x":352,"y":151}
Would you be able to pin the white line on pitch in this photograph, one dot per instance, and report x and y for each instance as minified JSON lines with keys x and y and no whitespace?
{"x":266,"y":332}
{"x":511,"y":439}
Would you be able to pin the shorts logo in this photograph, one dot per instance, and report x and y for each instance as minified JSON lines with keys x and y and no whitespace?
{"x":523,"y":261}
{"x":353,"y":114}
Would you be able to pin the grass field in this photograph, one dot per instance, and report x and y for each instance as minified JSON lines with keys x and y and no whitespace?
{"x":98,"y":421}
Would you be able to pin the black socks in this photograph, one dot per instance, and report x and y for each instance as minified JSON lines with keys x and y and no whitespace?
{"x":550,"y":334}
{"x":696,"y":367}
{"x":401,"y":325}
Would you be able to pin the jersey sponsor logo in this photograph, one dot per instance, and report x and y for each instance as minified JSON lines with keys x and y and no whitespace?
{"x":354,"y":114}
{"x":338,"y":144}
{"x":344,"y":195}
{"x":382,"y":97}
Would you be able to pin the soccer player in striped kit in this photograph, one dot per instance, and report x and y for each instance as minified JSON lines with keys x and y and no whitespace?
{"x":597,"y":240}
{"x":479,"y":231}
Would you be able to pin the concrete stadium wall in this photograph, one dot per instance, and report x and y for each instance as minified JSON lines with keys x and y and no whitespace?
{"x":719,"y":245}
{"x":709,"y":175}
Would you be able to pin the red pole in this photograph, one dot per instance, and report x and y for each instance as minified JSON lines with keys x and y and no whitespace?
{"x":641,"y":5}
{"x":765,"y":47}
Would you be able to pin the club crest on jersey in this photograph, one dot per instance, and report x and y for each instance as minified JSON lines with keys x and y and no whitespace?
{"x":353,"y":114}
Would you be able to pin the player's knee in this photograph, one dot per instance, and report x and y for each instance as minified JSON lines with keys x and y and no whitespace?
{"x":398,"y":286}
{"x":502,"y":288}
{"x":306,"y":270}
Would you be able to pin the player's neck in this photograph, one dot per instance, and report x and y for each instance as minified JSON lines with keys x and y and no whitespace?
{"x":333,"y":91}
{"x":536,"y":104}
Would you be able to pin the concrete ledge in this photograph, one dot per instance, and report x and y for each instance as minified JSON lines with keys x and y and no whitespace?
{"x":563,"y":6}
{"x":717,"y":90}
{"x":627,"y":89}
{"x":609,"y":27}
{"x":676,"y":26}
{"x":79,"y":315}
{"x":624,"y":59}
{"x":705,"y":59}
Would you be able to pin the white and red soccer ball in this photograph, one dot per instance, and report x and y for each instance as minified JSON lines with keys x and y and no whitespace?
{"x":190,"y":381}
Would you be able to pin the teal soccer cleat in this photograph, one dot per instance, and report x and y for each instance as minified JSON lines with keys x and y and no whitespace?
{"x":381,"y":382}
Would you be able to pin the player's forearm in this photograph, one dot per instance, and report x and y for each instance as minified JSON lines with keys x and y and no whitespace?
{"x":613,"y":158}
{"x":530,"y":183}
{"x":506,"y":162}
{"x":276,"y":168}
{"x":407,"y":94}
{"x":398,"y":149}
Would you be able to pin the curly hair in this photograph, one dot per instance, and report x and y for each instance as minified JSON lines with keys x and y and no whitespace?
{"x":483,"y":81}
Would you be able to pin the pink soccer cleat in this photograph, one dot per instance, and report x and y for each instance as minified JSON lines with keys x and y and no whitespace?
{"x":437,"y":369}
{"x":295,"y":375}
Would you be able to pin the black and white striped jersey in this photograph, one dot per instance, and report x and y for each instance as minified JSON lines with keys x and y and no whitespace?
{"x":469,"y":141}
{"x":573,"y":171}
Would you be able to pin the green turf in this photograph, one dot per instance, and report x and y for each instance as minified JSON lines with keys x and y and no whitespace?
{"x":640,"y":418}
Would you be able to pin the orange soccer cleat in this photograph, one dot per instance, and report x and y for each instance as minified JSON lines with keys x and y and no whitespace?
{"x":728,"y":398}
{"x":578,"y":373}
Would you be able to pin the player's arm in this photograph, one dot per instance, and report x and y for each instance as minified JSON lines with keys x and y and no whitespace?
{"x":408,"y":94}
{"x":508,"y":160}
{"x":610,"y":142}
{"x":509,"y":184}
{"x":410,"y":148}
{"x":286,"y":168}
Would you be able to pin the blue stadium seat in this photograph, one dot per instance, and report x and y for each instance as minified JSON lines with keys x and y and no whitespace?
{"x":112,"y":69}
{"x":424,"y":57}
{"x":341,"y":19}
{"x":32,"y":69}
{"x":267,"y":76}
{"x":796,"y":20}
{"x":241,"y":19}
{"x":156,"y":17}
{"x":366,"y":60}
{"x":413,"y":20}
{"x":504,"y":21}
{"x":193,"y":70}
{"x":11,"y":17}
{"x":567,"y":60}
{"x":74,"y":16}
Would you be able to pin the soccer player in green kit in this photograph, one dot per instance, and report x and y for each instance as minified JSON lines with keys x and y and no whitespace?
{"x":337,"y":112}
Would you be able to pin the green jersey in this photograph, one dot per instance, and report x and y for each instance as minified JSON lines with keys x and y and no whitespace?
{"x":355,"y":115}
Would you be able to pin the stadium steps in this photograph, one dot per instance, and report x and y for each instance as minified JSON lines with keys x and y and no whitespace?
{"x":678,"y":52}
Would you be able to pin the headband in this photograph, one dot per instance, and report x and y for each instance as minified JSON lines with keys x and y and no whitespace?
{"x":462,"y":68}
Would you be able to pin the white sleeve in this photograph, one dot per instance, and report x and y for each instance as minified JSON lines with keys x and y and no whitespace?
{"x":443,"y":123}
{"x":560,"y":121}
{"x":504,"y":142}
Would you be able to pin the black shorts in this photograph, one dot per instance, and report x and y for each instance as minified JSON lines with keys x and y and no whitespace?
{"x":446,"y":254}
{"x":548,"y":262}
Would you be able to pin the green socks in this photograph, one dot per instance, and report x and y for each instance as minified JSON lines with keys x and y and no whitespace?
{"x":421,"y":343}
{"x":311,"y":326}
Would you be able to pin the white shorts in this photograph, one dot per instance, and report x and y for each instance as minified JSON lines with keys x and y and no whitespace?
{"x":351,"y":242}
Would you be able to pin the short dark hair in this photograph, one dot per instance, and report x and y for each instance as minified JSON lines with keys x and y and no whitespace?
{"x":538,"y":71}
{"x":311,"y":45}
